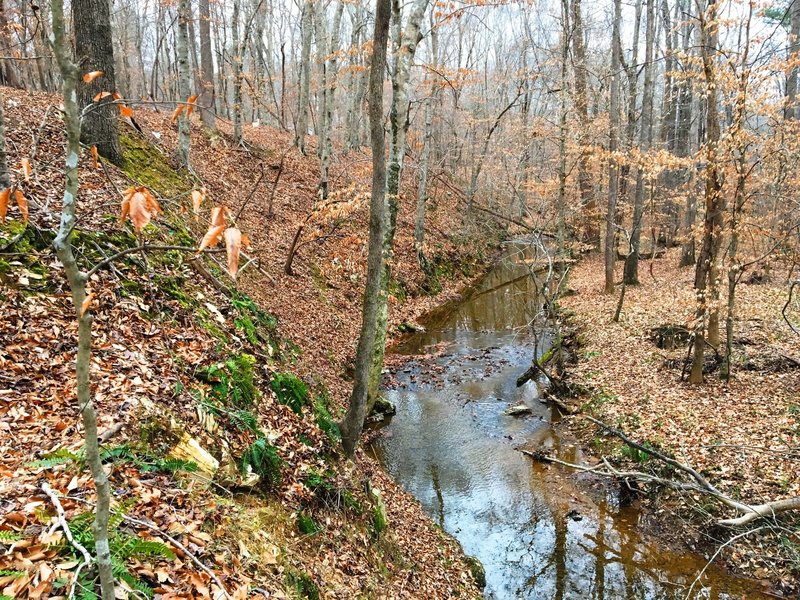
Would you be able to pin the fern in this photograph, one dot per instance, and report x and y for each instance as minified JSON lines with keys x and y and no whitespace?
{"x":62,"y":456}
{"x":263,"y":459}
{"x":9,"y":536}
{"x":11,"y":573}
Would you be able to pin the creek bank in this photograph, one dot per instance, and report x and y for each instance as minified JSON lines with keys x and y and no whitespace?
{"x":628,"y":375}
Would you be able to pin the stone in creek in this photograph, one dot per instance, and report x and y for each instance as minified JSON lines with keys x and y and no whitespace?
{"x":518,"y":410}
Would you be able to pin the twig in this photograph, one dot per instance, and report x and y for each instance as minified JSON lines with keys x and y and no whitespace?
{"x":710,"y":560}
{"x":62,"y":521}
{"x":785,"y":306}
{"x":140,"y":248}
{"x":251,"y":194}
{"x":183,"y":549}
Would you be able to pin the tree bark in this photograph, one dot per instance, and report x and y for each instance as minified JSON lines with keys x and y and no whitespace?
{"x":331,"y":74}
{"x":613,"y":146}
{"x":406,"y":47}
{"x":184,"y":90}
{"x":631,"y":274}
{"x":207,"y":99}
{"x":94,"y":50}
{"x":714,"y":201}
{"x":305,"y":76}
{"x":5,"y":178}
{"x":356,"y":412}
{"x":792,"y":110}
{"x":77,"y":283}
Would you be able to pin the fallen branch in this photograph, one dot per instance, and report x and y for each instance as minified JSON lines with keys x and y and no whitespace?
{"x":698,"y":483}
{"x":62,"y":521}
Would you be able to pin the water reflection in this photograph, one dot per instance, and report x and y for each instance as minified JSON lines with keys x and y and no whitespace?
{"x":453,"y":447}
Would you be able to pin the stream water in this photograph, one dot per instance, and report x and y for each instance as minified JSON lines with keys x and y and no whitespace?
{"x":538,"y":533}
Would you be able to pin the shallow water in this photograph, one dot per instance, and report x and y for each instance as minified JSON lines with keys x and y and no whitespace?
{"x":538,"y":534}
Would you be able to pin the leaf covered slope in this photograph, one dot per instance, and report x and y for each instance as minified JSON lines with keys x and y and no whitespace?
{"x":216,"y":399}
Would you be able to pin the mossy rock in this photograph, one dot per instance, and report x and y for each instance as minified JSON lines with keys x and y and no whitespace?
{"x":477,"y":570}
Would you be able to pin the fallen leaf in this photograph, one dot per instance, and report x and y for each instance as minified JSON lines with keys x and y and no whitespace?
{"x":92,"y":75}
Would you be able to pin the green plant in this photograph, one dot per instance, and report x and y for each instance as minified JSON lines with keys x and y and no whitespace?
{"x":303,"y":585}
{"x":232,"y":381}
{"x":634,"y":454}
{"x":324,"y":419}
{"x":124,"y":547}
{"x":263,"y":459}
{"x":306,"y":524}
{"x":290,"y":391}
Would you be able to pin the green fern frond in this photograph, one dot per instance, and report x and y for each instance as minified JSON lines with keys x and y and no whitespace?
{"x":9,"y":536}
{"x":11,"y":573}
{"x":61,"y":456}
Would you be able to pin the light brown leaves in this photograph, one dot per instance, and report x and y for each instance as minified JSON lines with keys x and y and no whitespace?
{"x":100,"y":95}
{"x":140,"y":205}
{"x":197,"y":199}
{"x":25,"y":165}
{"x":92,"y":75}
{"x":95,"y":158}
{"x":212,"y":237}
{"x":22,"y":203}
{"x":233,"y":245}
{"x":190,"y":107}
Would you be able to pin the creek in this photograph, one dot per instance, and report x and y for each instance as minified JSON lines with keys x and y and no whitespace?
{"x":539,"y":531}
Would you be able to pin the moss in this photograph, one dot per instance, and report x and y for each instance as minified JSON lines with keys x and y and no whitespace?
{"x":398,"y":289}
{"x":303,"y":585}
{"x":306,"y":524}
{"x":145,"y":164}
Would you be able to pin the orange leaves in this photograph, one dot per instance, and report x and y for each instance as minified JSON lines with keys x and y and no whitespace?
{"x":177,"y":112}
{"x":125,"y":110}
{"x":25,"y":165}
{"x":218,"y":214}
{"x":233,"y":245}
{"x":19,"y":198}
{"x":197,"y":199}
{"x":22,"y":203}
{"x":140,"y":205}
{"x":5,"y":194}
{"x":92,"y":75}
{"x":100,"y":95}
{"x":212,"y":237}
{"x":190,"y":107}
{"x":95,"y":160}
{"x":87,"y":302}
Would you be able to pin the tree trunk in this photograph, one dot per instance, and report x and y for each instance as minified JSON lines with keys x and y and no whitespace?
{"x":591,"y":232}
{"x":77,"y":283}
{"x":406,"y":47}
{"x":631,"y":274}
{"x":184,"y":90}
{"x":422,"y":189}
{"x":331,"y":74}
{"x":561,"y":206}
{"x":94,"y":50}
{"x":714,"y":201}
{"x":613,"y":146}
{"x":8,"y":74}
{"x":5,"y":178}
{"x":206,"y":101}
{"x":237,"y":47}
{"x":357,"y":409}
{"x":792,"y":110}
{"x":305,"y":76}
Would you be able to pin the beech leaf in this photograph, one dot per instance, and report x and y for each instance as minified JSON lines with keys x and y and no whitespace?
{"x":86,"y":303}
{"x":125,"y":110}
{"x":95,"y":160}
{"x":92,"y":75}
{"x":22,"y":203}
{"x":26,"y":168}
{"x":177,"y":112}
{"x":212,"y":237}
{"x":218,"y":216}
{"x":197,"y":199}
{"x":190,"y":107}
{"x":100,"y":95}
{"x":233,"y":245}
{"x":5,"y":194}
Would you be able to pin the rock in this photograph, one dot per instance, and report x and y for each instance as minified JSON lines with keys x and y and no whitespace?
{"x":384,"y":407}
{"x":518,"y":410}
{"x":477,"y":570}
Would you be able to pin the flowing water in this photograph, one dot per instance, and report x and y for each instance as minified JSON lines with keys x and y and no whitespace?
{"x":538,"y":533}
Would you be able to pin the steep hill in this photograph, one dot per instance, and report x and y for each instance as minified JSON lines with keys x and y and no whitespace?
{"x":216,"y":398}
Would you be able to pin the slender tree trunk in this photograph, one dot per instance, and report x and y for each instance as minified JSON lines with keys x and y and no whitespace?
{"x":184,"y":90}
{"x":8,"y":75}
{"x":305,"y":76}
{"x":331,"y":74}
{"x":5,"y":178}
{"x":591,"y":232}
{"x":406,"y":47}
{"x":613,"y":146}
{"x":561,"y":205}
{"x":77,"y":283}
{"x":792,"y":110}
{"x":682,"y":145}
{"x":357,"y":409}
{"x":714,"y":201}
{"x":237,"y":47}
{"x":207,"y":100}
{"x":631,"y":274}
{"x":94,"y":49}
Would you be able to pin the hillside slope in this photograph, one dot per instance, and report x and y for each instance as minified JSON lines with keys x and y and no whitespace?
{"x":216,"y":398}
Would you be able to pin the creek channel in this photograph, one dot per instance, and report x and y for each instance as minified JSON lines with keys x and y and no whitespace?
{"x":539,"y":531}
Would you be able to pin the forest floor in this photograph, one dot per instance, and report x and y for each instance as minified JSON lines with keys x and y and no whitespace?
{"x":743,"y":435}
{"x":247,"y":375}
